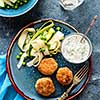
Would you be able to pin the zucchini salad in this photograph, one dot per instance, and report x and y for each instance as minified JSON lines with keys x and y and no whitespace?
{"x":38,"y":43}
{"x":14,"y":4}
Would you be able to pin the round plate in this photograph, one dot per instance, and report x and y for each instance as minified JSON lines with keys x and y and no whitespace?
{"x":17,"y":12}
{"x":24,"y":79}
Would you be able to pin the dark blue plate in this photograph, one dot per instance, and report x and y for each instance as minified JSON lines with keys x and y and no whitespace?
{"x":17,"y":12}
{"x":24,"y":79}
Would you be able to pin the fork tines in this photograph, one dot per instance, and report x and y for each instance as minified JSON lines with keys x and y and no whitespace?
{"x":82,"y":72}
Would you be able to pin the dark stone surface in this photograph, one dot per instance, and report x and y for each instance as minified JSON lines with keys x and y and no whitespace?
{"x":79,"y":18}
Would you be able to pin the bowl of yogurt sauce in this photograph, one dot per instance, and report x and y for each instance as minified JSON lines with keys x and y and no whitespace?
{"x":74,"y":50}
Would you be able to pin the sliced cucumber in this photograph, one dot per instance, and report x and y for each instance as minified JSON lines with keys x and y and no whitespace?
{"x":2,"y":3}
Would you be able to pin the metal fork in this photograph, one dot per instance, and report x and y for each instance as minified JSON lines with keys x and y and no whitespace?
{"x":77,"y":79}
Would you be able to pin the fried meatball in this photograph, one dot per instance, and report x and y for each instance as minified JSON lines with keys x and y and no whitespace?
{"x":48,"y":66}
{"x":44,"y":86}
{"x":64,"y":76}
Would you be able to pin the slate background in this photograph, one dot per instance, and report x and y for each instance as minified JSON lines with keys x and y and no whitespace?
{"x":79,"y":18}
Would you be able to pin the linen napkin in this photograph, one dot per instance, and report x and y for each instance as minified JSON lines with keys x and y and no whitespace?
{"x":7,"y":91}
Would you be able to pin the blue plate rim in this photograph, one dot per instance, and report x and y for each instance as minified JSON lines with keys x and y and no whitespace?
{"x":8,"y":63}
{"x":2,"y":15}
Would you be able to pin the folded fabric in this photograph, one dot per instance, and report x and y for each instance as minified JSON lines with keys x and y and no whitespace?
{"x":7,"y":91}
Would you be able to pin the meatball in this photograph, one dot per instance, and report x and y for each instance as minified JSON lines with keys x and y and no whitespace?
{"x":64,"y":76}
{"x":44,"y":86}
{"x":48,"y":66}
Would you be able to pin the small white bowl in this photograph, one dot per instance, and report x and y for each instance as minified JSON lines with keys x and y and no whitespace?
{"x":70,"y":7}
{"x":76,"y":53}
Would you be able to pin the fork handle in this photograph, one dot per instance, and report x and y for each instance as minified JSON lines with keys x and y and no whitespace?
{"x":65,"y":94}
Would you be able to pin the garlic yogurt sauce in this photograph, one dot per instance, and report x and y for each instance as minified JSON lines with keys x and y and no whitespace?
{"x":75,"y":50}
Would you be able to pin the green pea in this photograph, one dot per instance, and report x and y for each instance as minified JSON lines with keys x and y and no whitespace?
{"x":21,"y":3}
{"x":51,"y":55}
{"x":18,"y":57}
{"x":25,"y":1}
{"x":24,"y":63}
{"x":58,"y":28}
{"x":20,"y":54}
{"x":18,"y":1}
{"x":8,"y":6}
{"x":16,"y":6}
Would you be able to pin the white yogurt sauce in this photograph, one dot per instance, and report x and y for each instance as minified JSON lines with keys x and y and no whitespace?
{"x":74,"y":50}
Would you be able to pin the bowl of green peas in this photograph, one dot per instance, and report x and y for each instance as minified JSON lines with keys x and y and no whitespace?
{"x":13,"y":8}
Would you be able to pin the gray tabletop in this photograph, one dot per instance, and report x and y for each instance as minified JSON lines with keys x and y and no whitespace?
{"x":79,"y":18}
